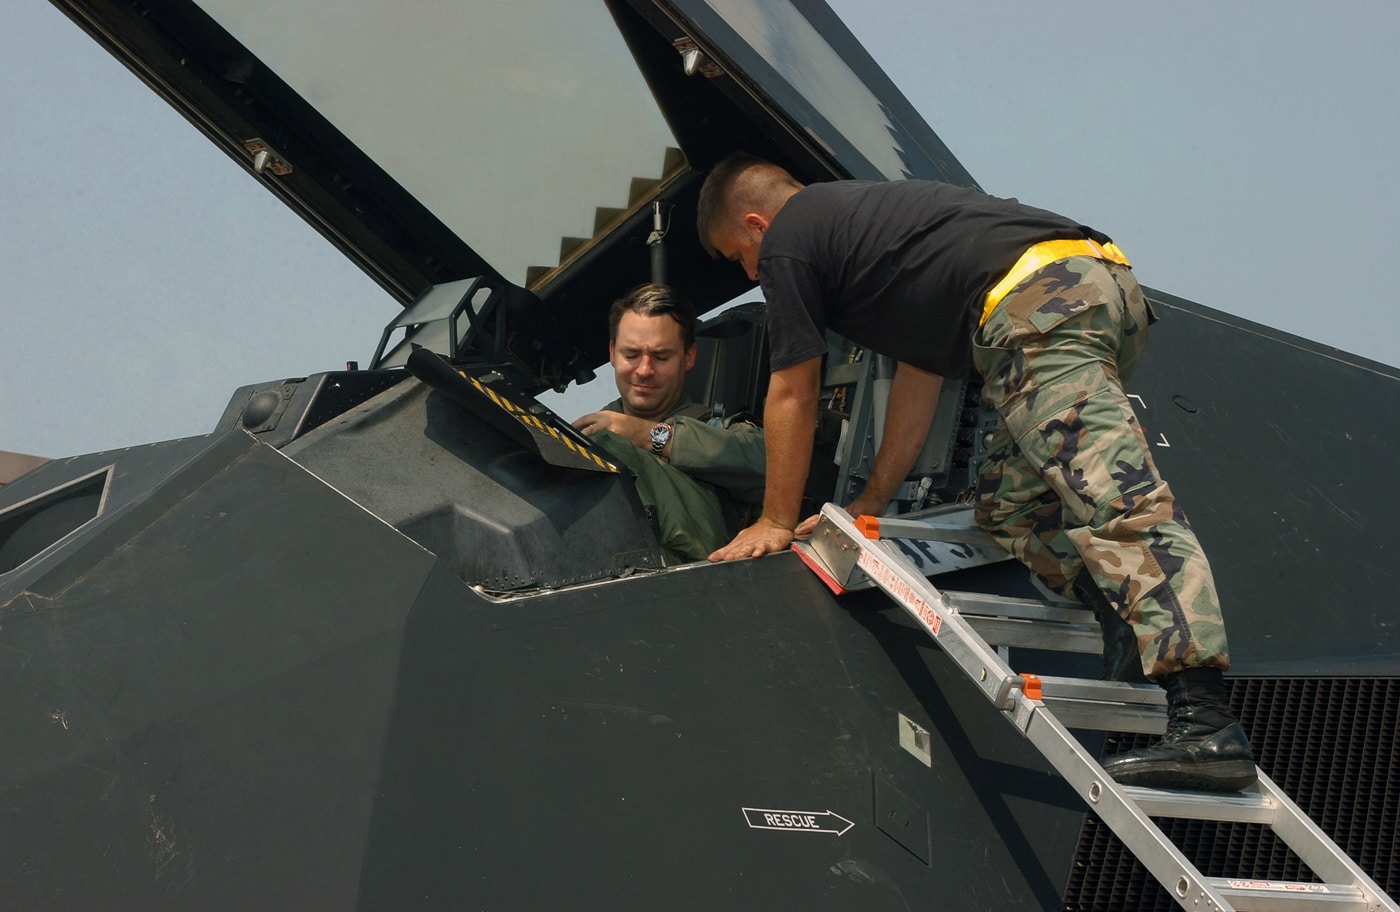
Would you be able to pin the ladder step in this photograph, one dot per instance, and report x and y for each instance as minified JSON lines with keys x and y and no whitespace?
{"x":1060,"y":626}
{"x":1110,"y":717}
{"x":998,"y":631}
{"x":1104,"y":691}
{"x":980,"y":604}
{"x":1235,"y":807}
{"x":1288,"y":896}
{"x":959,"y":530}
{"x":1106,"y":705}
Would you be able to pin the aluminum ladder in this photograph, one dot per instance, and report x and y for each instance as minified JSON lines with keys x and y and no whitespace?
{"x":854,"y":554}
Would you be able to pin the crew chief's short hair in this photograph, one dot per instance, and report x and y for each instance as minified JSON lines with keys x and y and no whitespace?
{"x":712,"y":209}
{"x":739,"y":183}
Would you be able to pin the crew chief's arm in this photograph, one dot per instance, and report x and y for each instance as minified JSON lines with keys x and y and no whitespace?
{"x":789,"y":421}
{"x":908,"y":416}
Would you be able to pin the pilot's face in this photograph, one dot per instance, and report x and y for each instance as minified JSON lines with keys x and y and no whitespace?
{"x":650,"y":361}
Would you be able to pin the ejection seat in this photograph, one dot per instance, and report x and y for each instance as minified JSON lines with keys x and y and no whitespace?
{"x":731,"y":376}
{"x":731,"y":363}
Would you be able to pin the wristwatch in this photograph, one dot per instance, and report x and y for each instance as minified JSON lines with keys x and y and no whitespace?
{"x":660,"y":436}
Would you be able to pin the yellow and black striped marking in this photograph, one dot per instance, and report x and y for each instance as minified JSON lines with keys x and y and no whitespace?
{"x":535,"y":424}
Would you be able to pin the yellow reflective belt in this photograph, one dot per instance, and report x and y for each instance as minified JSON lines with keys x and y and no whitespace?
{"x":1043,"y":254}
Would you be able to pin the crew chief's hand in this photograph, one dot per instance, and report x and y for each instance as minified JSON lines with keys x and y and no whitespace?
{"x":858,"y":507}
{"x":763,"y":537}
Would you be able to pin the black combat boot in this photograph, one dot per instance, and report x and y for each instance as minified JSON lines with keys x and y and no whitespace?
{"x":1204,"y":747}
{"x":1121,"y":659}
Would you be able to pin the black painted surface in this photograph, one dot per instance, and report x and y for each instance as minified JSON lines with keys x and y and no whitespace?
{"x":195,"y":718}
{"x":598,"y":749}
{"x":1284,"y":455}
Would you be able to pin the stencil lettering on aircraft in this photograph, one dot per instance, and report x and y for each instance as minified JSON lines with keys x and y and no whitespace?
{"x":796,"y":821}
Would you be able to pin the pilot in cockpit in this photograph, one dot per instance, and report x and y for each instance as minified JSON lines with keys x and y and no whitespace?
{"x":702,"y":480}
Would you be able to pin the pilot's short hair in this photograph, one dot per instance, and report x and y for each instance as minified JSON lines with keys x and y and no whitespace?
{"x":652,"y":300}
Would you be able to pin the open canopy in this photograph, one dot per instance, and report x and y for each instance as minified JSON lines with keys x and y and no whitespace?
{"x":525,"y":145}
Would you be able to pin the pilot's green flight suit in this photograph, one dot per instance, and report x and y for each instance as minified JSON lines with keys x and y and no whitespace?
{"x":704,"y":493}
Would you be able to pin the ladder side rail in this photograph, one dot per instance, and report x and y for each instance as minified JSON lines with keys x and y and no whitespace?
{"x":891,"y":571}
{"x":1316,"y":849}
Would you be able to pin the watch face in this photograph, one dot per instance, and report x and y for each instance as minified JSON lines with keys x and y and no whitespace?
{"x":660,"y":434}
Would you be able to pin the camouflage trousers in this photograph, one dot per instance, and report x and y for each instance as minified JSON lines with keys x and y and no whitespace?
{"x":1070,"y":483}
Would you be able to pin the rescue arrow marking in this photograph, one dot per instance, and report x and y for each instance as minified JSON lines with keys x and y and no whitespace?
{"x":796,"y":821}
{"x":1163,"y":441}
{"x":1139,"y":400}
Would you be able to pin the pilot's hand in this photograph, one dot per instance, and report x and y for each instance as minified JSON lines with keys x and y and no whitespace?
{"x":763,"y":537}
{"x":628,"y":427}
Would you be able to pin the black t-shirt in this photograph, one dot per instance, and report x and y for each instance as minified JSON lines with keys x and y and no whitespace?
{"x":901,"y":267}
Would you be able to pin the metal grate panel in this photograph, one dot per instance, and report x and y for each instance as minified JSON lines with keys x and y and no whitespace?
{"x":1333,"y":744}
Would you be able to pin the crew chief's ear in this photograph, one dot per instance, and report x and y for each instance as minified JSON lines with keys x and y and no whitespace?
{"x":690,"y":356}
{"x":755,"y":221}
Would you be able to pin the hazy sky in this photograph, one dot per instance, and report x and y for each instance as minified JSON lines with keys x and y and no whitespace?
{"x":1241,"y":153}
